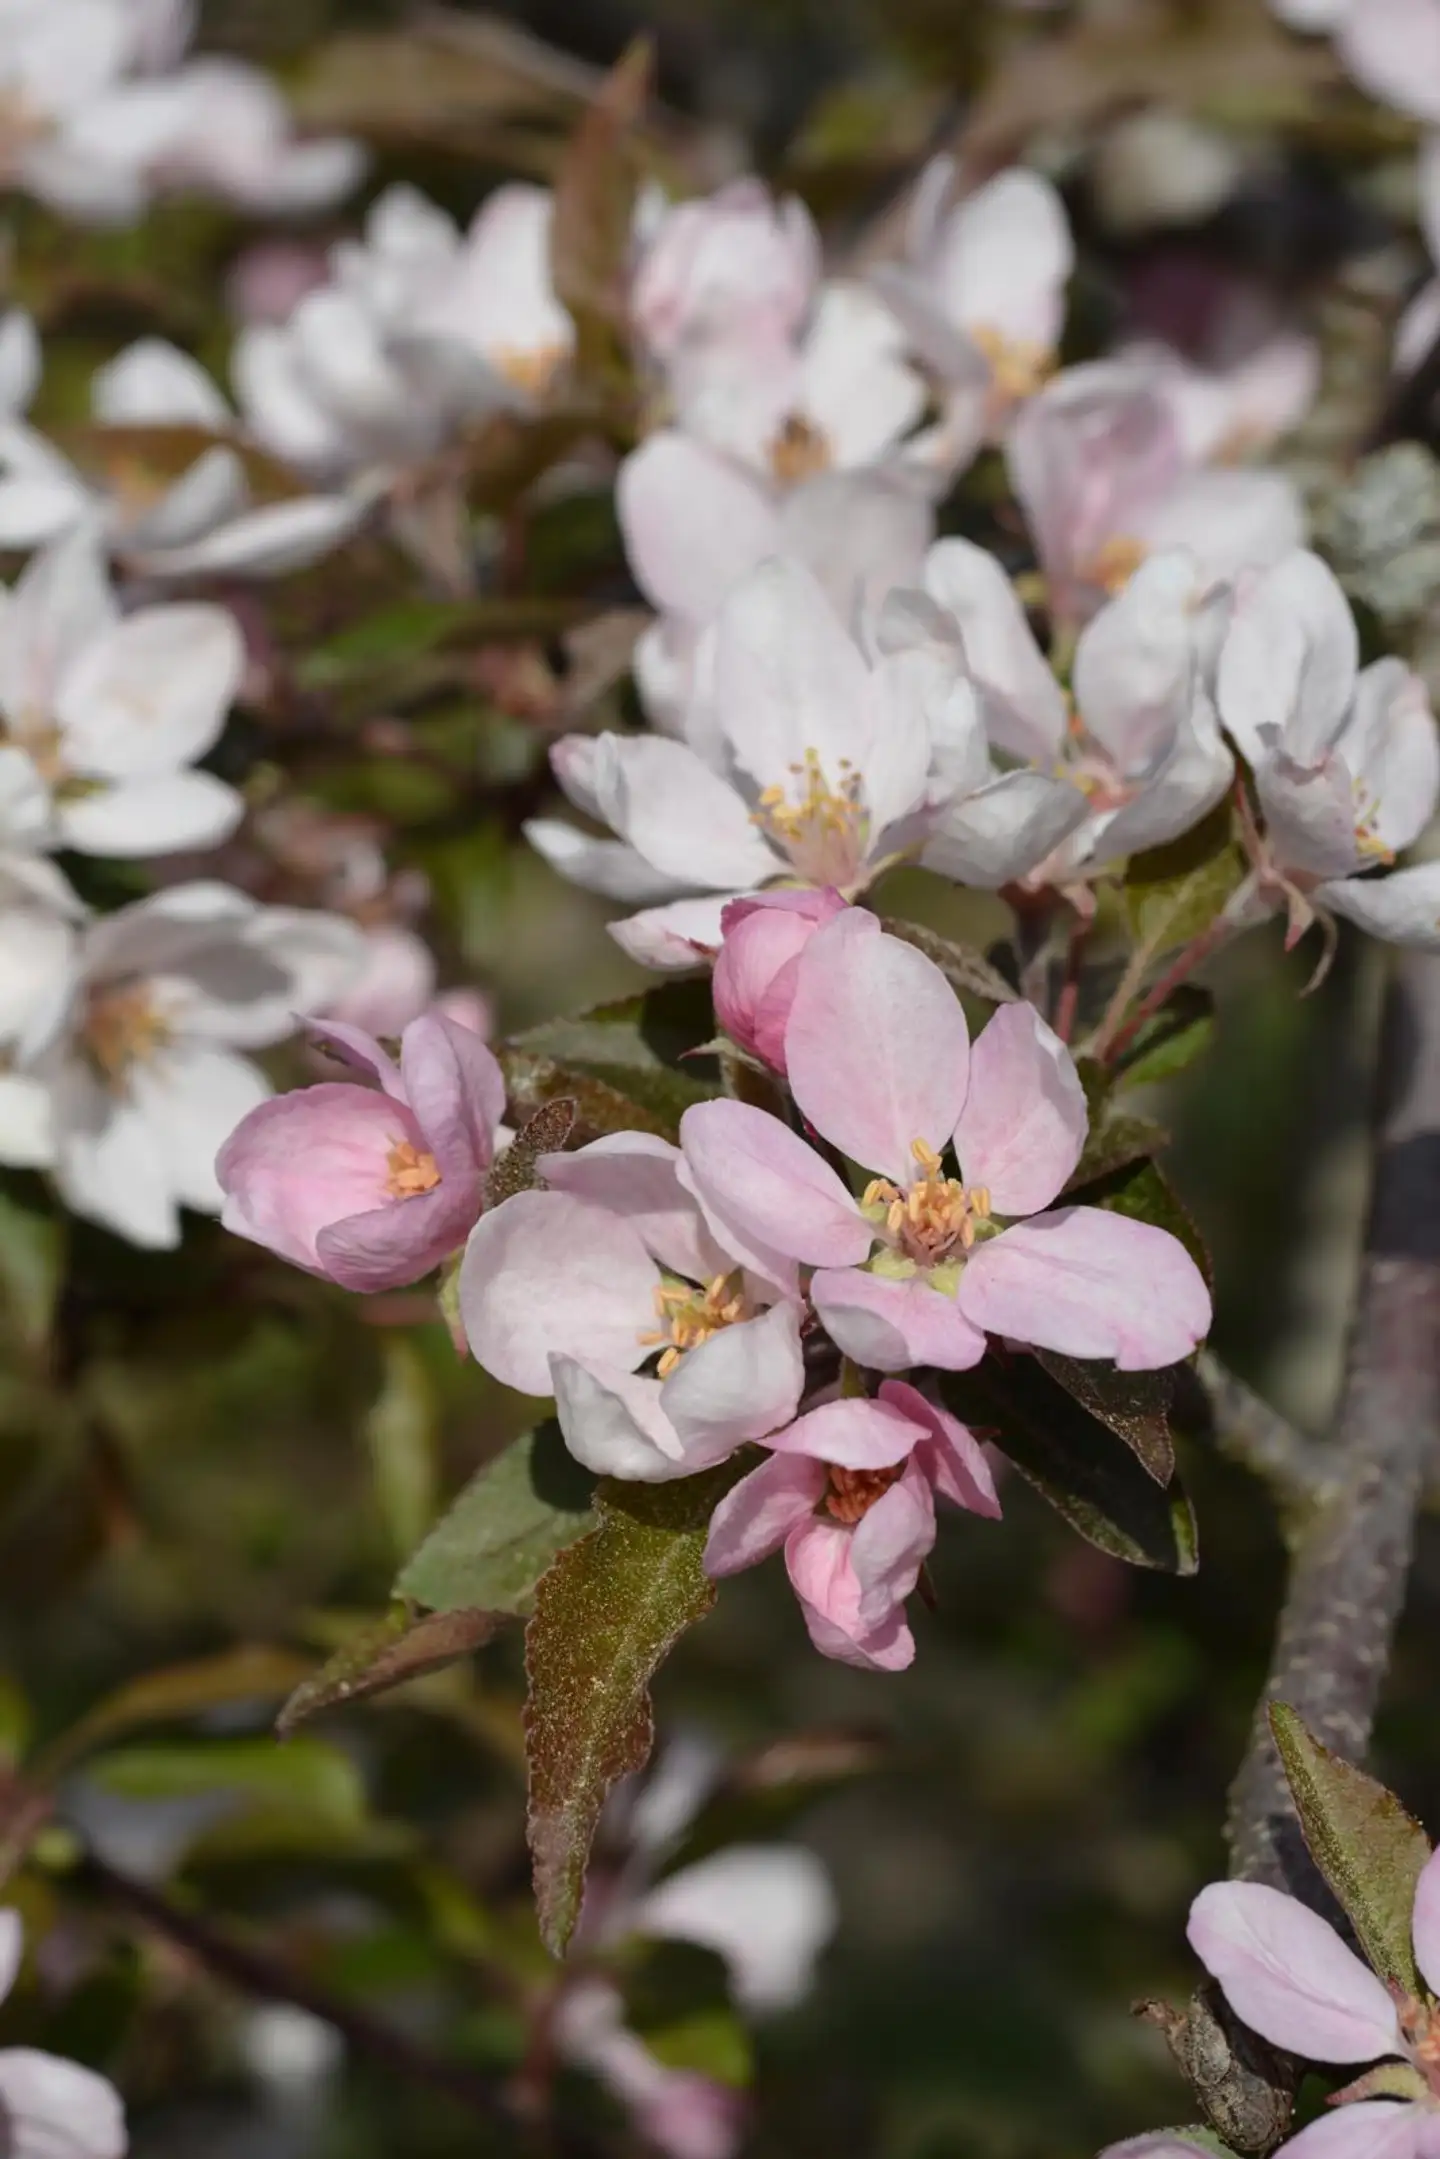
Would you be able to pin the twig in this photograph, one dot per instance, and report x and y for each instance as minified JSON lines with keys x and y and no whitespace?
{"x":1298,"y":1469}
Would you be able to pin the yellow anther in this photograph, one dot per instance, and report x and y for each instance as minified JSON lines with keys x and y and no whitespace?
{"x":689,"y":1315}
{"x":531,"y":370}
{"x":123,"y":1026}
{"x":412,"y":1171}
{"x":799,"y":450}
{"x":824,"y":829}
{"x":1114,"y":564}
{"x":1018,"y":367}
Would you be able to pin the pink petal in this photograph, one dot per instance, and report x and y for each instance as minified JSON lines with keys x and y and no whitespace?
{"x":678,"y":936}
{"x":1288,"y":1975}
{"x":889,"y":1325}
{"x":613,"y":1422}
{"x":1371,"y":2129}
{"x":456,"y":1089}
{"x":693,"y":524}
{"x":817,"y":1555}
{"x":758,"y":1179}
{"x":1024,"y":1122}
{"x":1426,"y":1923}
{"x":953,"y":1458}
{"x":307,"y":1159}
{"x":888,"y":1547}
{"x":877,"y":1049}
{"x":633,"y":1175}
{"x":741,"y":1384}
{"x":853,"y":1433}
{"x":403,"y":1240}
{"x":1090,"y":1284}
{"x":755,"y":975}
{"x":354,"y":1047}
{"x":757,"y":1515}
{"x":546,"y":1274}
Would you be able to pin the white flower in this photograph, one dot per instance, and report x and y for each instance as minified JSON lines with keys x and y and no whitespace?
{"x":807,"y":764}
{"x":50,"y":2108}
{"x":735,"y":266}
{"x":419,"y":330}
{"x":103,"y":716}
{"x":203,"y":523}
{"x":1391,"y":47}
{"x":1346,"y":761}
{"x":142,"y":1068}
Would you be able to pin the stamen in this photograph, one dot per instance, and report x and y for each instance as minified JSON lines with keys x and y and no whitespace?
{"x":411,"y":1171}
{"x":826,"y":832}
{"x":799,"y":450}
{"x":123,"y":1026}
{"x":1114,"y":564}
{"x":689,"y":1316}
{"x":853,"y":1492}
{"x":1018,"y":368}
{"x":530,"y":369}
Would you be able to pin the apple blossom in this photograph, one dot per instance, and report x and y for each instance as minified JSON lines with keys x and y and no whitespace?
{"x":1287,"y":1974}
{"x":982,"y":296}
{"x":51,"y":2108}
{"x":1100,"y":464}
{"x":372,"y":1188}
{"x":757,"y":966}
{"x":849,"y":1493}
{"x":104,"y":715}
{"x":683,"y":2113}
{"x":140,"y":1063}
{"x":570,"y":1291}
{"x":807,"y":764}
{"x":1391,"y":47}
{"x":1136,"y":763}
{"x":735,"y":265}
{"x":921,"y":1268}
{"x":204,"y":522}
{"x":1346,"y":761}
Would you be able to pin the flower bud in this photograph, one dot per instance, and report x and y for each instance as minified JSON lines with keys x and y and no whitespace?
{"x":756,"y":972}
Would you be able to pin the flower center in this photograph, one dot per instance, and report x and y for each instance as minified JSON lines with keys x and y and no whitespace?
{"x":934,"y":1219}
{"x":38,"y":736}
{"x":531,"y":370}
{"x":1017,"y":367}
{"x":412,"y":1171}
{"x":689,"y":1315}
{"x":853,"y":1492}
{"x":122,"y":1027}
{"x":799,"y":450}
{"x":824,"y":830}
{"x":1114,"y":564}
{"x":1367,"y":840}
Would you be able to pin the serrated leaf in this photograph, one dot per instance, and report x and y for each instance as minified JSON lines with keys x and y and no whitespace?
{"x":1135,"y":1406}
{"x":1172,"y":1039}
{"x":1085,"y":1471}
{"x":505,"y":1529}
{"x":544,"y":1133}
{"x":967,"y":971}
{"x":399,"y":1648}
{"x":630,"y":1065}
{"x":1172,"y":2144}
{"x":1369,"y":1849}
{"x":1171,"y":894}
{"x":308,"y":1776}
{"x":606,"y":1615}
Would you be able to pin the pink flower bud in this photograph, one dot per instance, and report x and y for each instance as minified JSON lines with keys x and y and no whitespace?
{"x":756,"y":972}
{"x":737,"y":265}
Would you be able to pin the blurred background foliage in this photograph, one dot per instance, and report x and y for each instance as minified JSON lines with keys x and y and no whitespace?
{"x":209,"y":1474}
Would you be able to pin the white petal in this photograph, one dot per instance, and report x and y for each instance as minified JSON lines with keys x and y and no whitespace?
{"x":610,"y":867}
{"x":1403,"y":908}
{"x":679,"y":815}
{"x":153,"y":384}
{"x":1290,"y":660}
{"x":768,"y":1909}
{"x":27,"y":1122}
{"x":692,"y":525}
{"x":54,"y":2109}
{"x":273,"y":541}
{"x":20,"y":362}
{"x":789,"y":678}
{"x":680,"y":936}
{"x":154,"y":693}
{"x":110,"y":1165}
{"x":194,"y":1098}
{"x":615,"y":1424}
{"x":1022,"y":704}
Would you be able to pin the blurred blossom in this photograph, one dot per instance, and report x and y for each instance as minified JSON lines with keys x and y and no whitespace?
{"x":138,"y":1076}
{"x":680,"y":2112}
{"x":49,"y":2108}
{"x":736,"y":267}
{"x":370,"y":1185}
{"x":1391,"y":47}
{"x":1160,"y":167}
{"x":1346,"y":760}
{"x":200,"y":522}
{"x":270,"y":279}
{"x":398,"y":983}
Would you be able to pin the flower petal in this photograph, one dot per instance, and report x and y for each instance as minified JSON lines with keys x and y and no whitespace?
{"x":890,"y":1325}
{"x":681,"y":817}
{"x":12,"y":1949}
{"x":635,"y":1175}
{"x":1425,"y":1924}
{"x":876,"y":1047}
{"x":818,"y":1559}
{"x":1288,"y":1975}
{"x":757,"y":1515}
{"x":614,"y":1423}
{"x":1403,"y":908}
{"x":545,"y":1273}
{"x":54,"y":2109}
{"x":1392,"y":48}
{"x":953,"y":1458}
{"x":759,"y":1182}
{"x":155,"y":816}
{"x":1022,"y":703}
{"x":740,"y":1385}
{"x":680,"y":936}
{"x":767,"y":1909}
{"x":153,"y":693}
{"x":853,"y":1433}
{"x":1025,"y":1118}
{"x":1373,"y":2129}
{"x":306,"y":1159}
{"x":693,"y":524}
{"x":889,"y":1546}
{"x":1006,"y":829}
{"x":456,"y":1089}
{"x":789,"y":678}
{"x":1290,"y":659}
{"x":1089,"y":1284}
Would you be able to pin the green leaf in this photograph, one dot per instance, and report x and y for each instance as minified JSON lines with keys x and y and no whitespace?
{"x":968,"y":972}
{"x":400,"y":1648}
{"x":1368,"y":1848}
{"x":628,"y":1066}
{"x":502,"y":1533}
{"x":307,"y":1776}
{"x":677,"y":1998}
{"x":32,"y":1270}
{"x":606,"y":1615}
{"x":1135,"y":1406}
{"x":1171,"y":894}
{"x":1085,"y":1471}
{"x":176,"y":1692}
{"x":544,"y":1133}
{"x":401,"y":1431}
{"x":1172,"y":1038}
{"x":390,"y":642}
{"x":1116,"y":1140}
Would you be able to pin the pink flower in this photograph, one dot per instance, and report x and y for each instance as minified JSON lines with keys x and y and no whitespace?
{"x":920,"y":1268}
{"x":681,"y":2112}
{"x":569,"y":1292}
{"x":736,"y":263}
{"x":371,"y":1188}
{"x":759,"y":965}
{"x":849,"y":1493}
{"x":1287,"y":1973}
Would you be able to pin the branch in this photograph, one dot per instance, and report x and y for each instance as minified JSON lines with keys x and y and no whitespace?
{"x":1298,"y":1469}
